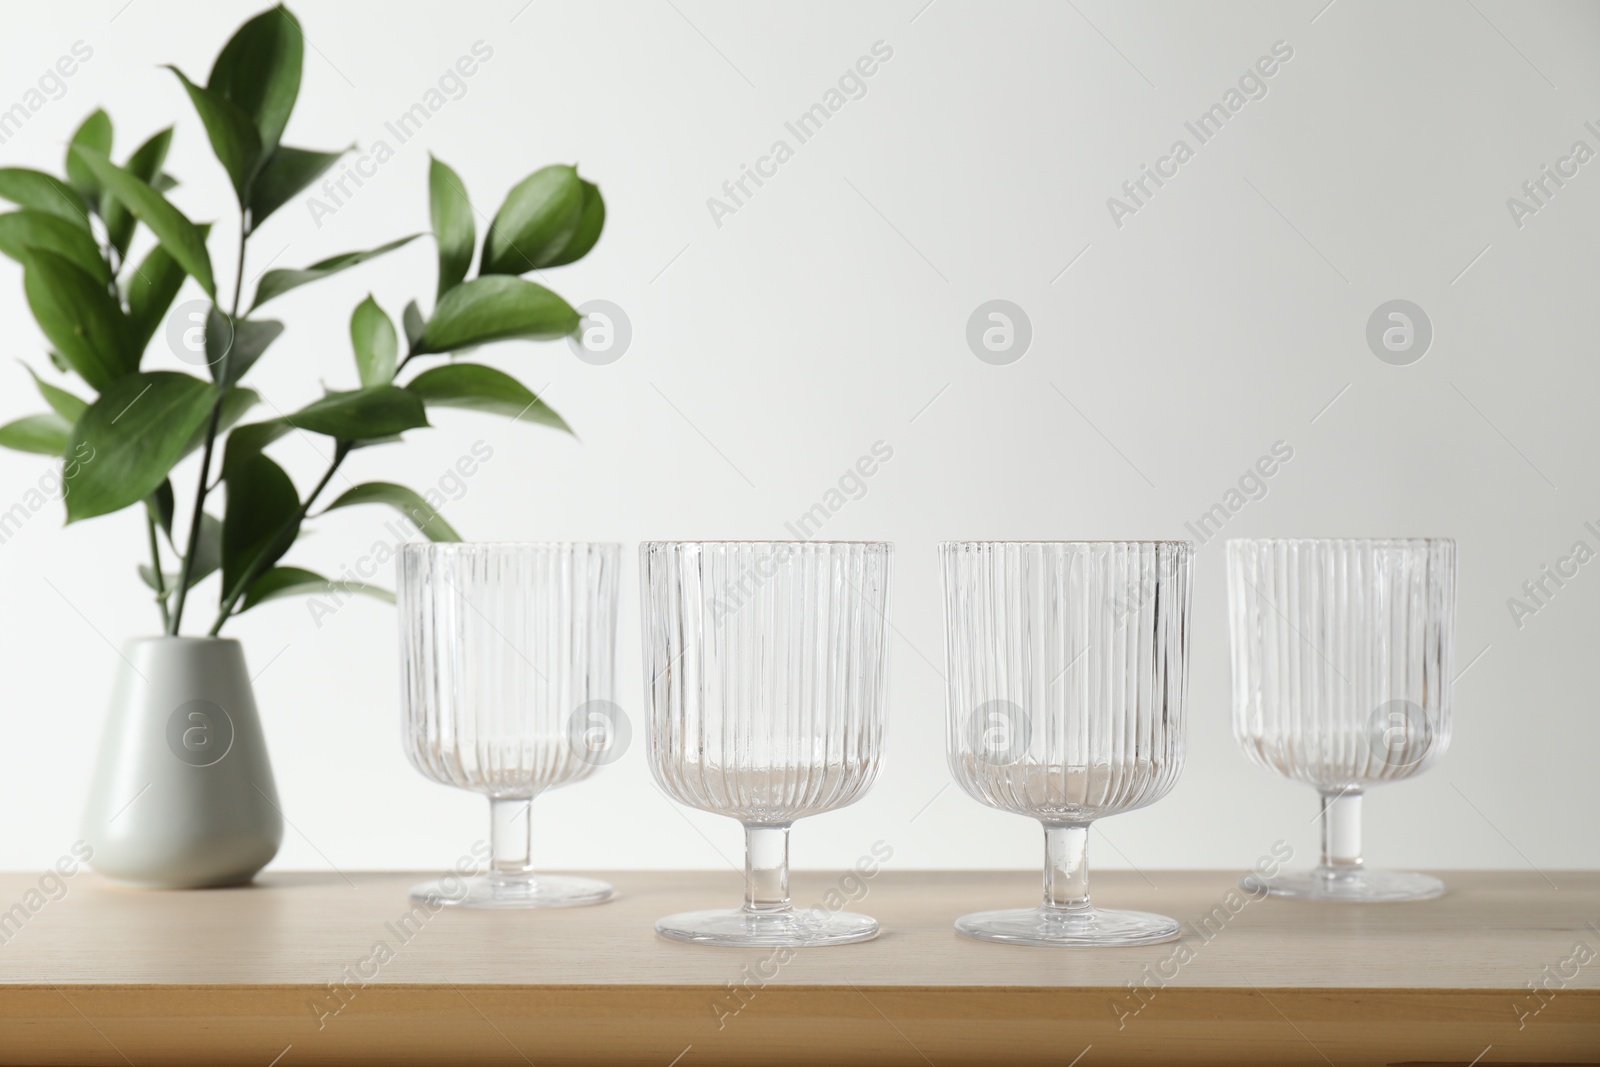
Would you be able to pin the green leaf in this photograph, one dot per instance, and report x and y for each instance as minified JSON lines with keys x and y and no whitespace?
{"x":46,"y":434}
{"x":285,"y":174}
{"x":132,"y":435}
{"x":258,"y":72}
{"x":373,"y":442}
{"x":183,"y":240}
{"x":39,"y":191}
{"x":590,"y":222}
{"x":282,"y":582}
{"x":453,"y":228}
{"x":147,"y":574}
{"x":208,"y":552}
{"x":24,"y":230}
{"x":260,"y":523}
{"x":240,"y":341}
{"x":247,"y":441}
{"x":63,"y":403}
{"x":144,"y":164}
{"x":146,"y":161}
{"x":151,"y":290}
{"x":406,"y":501}
{"x":94,"y":132}
{"x":493,"y":309}
{"x":376,"y":411}
{"x":235,"y":403}
{"x":277,"y":282}
{"x":162,"y":506}
{"x":377,"y":347}
{"x":536,"y":223}
{"x":234,"y":139}
{"x":476,"y":387}
{"x":207,"y":557}
{"x":413,"y":322}
{"x":82,"y":320}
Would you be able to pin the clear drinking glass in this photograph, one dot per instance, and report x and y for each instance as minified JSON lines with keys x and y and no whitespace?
{"x":766,"y":676}
{"x":1067,"y":671}
{"x":508,"y":663}
{"x":1341,"y":679}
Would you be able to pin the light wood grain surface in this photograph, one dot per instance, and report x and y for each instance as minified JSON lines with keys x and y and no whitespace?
{"x":343,"y":969}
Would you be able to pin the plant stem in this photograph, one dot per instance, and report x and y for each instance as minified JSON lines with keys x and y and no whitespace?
{"x":176,"y":619}
{"x":238,"y":274}
{"x":193,"y":545}
{"x":155,"y":566}
{"x":341,"y":450}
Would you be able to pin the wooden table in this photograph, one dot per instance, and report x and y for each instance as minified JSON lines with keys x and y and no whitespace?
{"x":326,"y":968}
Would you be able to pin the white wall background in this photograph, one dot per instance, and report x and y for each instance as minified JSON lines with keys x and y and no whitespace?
{"x":829,"y":312}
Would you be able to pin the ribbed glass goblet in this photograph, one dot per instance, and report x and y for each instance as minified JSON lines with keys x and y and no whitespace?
{"x":765,"y":673}
{"x":1341,"y":679}
{"x":1067,"y":681}
{"x":508,"y":661}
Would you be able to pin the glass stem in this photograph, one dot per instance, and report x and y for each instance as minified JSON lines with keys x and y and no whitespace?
{"x":1066,"y":869}
{"x":1341,"y":831}
{"x":766,"y":868}
{"x":510,"y":836}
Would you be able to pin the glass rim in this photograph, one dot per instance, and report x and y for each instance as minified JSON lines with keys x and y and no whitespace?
{"x":1086,"y":544}
{"x":1341,"y":541}
{"x":462,"y":546}
{"x":862,"y":544}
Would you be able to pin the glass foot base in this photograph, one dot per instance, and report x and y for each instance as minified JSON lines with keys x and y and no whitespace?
{"x":739,"y":928}
{"x":1356,"y":887}
{"x":1036,"y":926}
{"x":502,"y":891}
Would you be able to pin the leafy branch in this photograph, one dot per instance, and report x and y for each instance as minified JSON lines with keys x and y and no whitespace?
{"x":74,"y":238}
